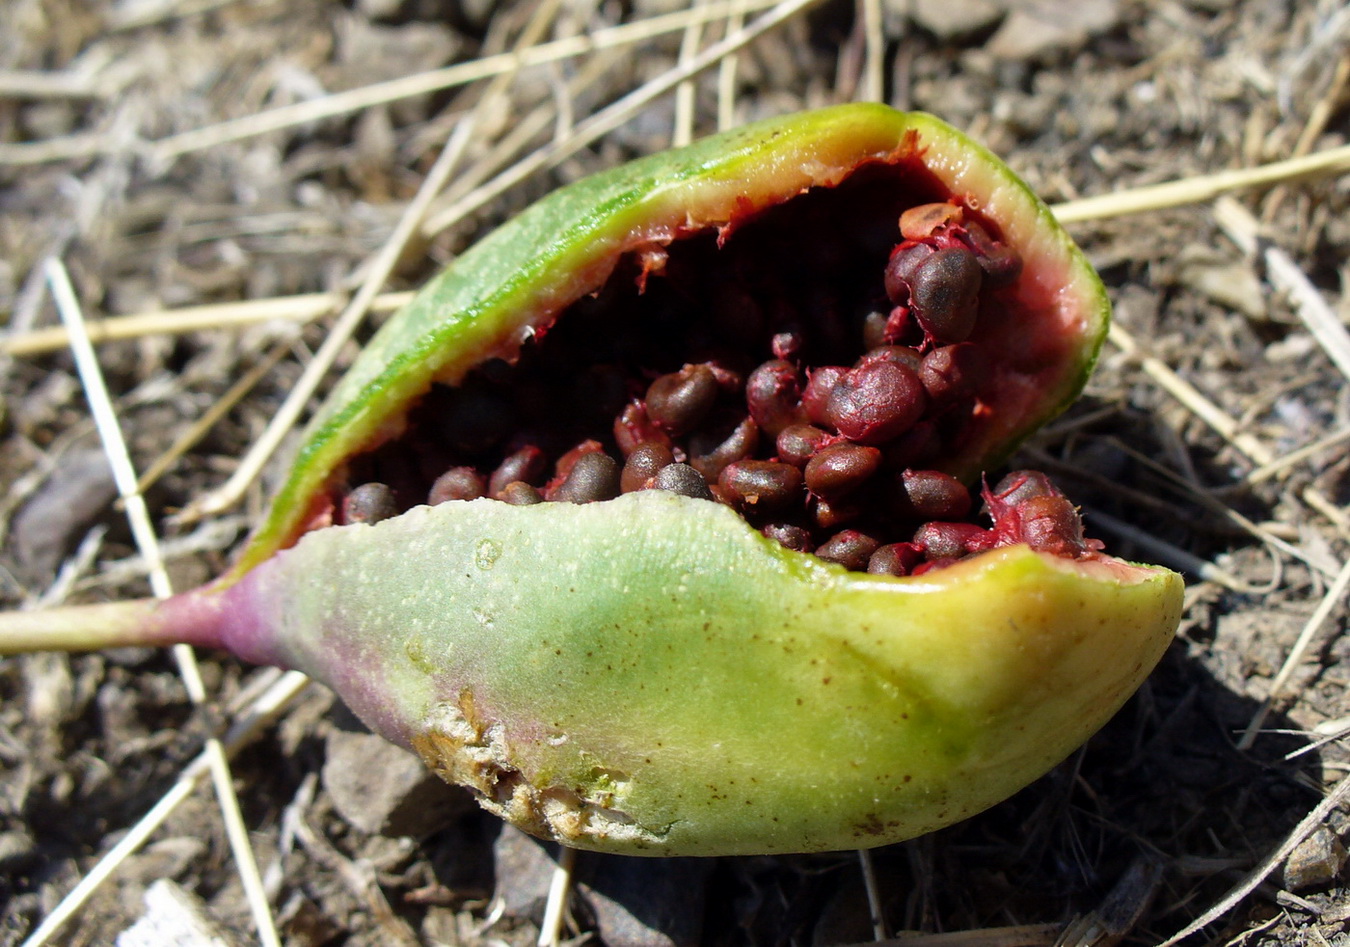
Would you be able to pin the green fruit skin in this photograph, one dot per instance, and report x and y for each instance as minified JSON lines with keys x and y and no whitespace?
{"x":524,"y":274}
{"x":650,"y":676}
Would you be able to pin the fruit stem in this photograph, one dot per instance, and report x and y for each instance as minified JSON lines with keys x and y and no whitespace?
{"x":138,"y":623}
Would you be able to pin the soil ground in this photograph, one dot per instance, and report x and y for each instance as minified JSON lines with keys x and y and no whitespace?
{"x":1139,"y":833}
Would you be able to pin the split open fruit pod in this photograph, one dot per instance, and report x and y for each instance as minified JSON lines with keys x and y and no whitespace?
{"x":646,"y":520}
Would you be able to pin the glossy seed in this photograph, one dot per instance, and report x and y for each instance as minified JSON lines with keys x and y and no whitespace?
{"x":876,"y":402}
{"x":901,"y":355}
{"x":682,"y":479}
{"x":710,"y":452}
{"x":820,"y":382}
{"x":369,"y":503}
{"x":933,"y":495}
{"x":773,"y":395}
{"x":634,"y":427}
{"x":519,"y":493}
{"x":839,"y":469}
{"x":761,"y":484}
{"x":798,"y":443}
{"x":952,"y":372}
{"x":457,"y":483}
{"x":1051,"y":524}
{"x":643,"y":464}
{"x":832,"y":514}
{"x":945,"y":294}
{"x":1021,"y":485}
{"x":594,"y":476}
{"x":794,"y":537}
{"x":678,"y":402}
{"x":527,"y":464}
{"x":850,"y":548}
{"x":874,"y":329}
{"x":897,"y":559}
{"x":900,"y":269}
{"x":948,"y":540}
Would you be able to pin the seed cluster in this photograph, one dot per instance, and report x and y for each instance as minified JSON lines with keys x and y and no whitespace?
{"x":813,"y":404}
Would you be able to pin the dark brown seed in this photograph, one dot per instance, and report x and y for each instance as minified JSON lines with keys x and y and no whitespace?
{"x":952,"y":372}
{"x":1021,"y":485}
{"x":642,"y":464}
{"x":711,"y":451}
{"x":761,"y":484}
{"x":633,"y":428}
{"x":816,"y":396}
{"x":933,"y":495}
{"x":874,"y":329}
{"x":773,"y":394}
{"x":832,"y":515}
{"x":839,"y":469}
{"x":369,"y":503}
{"x":895,"y":559}
{"x":904,"y":263}
{"x":519,"y":493}
{"x":949,"y":540}
{"x":594,"y":476}
{"x":876,"y":402}
{"x":798,"y":443}
{"x":850,"y":548}
{"x":1051,"y":524}
{"x":945,"y":294}
{"x":682,"y":479}
{"x":794,"y":537}
{"x":679,"y":401}
{"x":527,"y":464}
{"x":901,"y":355}
{"x":457,"y":483}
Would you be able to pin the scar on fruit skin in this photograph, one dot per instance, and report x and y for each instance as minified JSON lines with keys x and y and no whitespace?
{"x":464,"y":749}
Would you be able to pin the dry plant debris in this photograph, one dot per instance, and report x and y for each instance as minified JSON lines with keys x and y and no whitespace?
{"x":255,"y":157}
